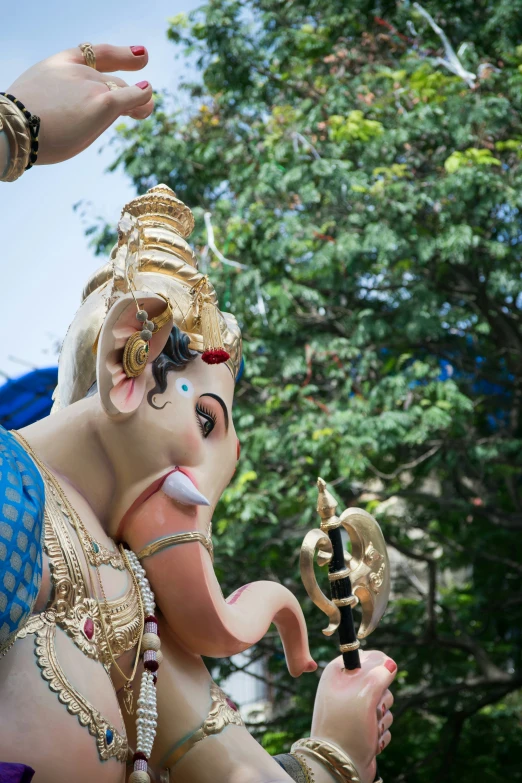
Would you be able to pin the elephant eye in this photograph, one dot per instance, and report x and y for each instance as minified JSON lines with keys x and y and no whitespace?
{"x":206,"y":419}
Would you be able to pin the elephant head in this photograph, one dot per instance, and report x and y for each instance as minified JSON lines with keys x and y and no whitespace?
{"x":168,"y":433}
{"x":175,"y":449}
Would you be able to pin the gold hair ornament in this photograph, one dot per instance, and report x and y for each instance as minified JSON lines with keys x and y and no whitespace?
{"x":214,"y":351}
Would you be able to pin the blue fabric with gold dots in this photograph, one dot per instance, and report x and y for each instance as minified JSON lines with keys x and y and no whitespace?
{"x":22,"y":501}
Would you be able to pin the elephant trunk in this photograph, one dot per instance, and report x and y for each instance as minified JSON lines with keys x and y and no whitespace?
{"x":191,"y":601}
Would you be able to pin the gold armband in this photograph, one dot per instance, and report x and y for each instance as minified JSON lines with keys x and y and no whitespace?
{"x":174,"y":540}
{"x":16,"y":129}
{"x":221,"y":714}
{"x":338,"y":764}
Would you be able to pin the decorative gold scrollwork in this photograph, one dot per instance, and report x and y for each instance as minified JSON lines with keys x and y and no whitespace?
{"x":312,"y":541}
{"x":369,"y":567}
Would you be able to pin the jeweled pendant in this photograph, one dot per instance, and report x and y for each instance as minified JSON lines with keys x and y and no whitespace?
{"x":88,"y":628}
{"x":128,"y":698}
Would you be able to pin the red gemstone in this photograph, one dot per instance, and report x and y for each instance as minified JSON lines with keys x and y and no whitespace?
{"x":88,"y":628}
{"x":232,"y":705}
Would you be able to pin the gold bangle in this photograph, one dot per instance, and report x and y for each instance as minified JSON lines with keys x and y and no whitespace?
{"x":340,"y":766}
{"x":14,"y":124}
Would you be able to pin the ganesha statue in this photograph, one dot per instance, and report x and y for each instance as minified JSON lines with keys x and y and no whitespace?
{"x":108,"y":596}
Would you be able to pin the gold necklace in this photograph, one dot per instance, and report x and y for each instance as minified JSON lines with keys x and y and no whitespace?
{"x":76,"y":522}
{"x":96,"y":554}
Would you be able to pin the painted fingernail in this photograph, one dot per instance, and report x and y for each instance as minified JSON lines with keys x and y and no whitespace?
{"x":382,"y":729}
{"x":391,"y":666}
{"x":142,"y":85}
{"x":138,"y":51}
{"x":383,"y":708}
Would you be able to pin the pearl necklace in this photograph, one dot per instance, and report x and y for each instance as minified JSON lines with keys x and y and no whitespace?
{"x":147,"y":712}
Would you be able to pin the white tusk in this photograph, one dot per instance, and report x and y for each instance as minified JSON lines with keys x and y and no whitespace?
{"x":179,"y":487}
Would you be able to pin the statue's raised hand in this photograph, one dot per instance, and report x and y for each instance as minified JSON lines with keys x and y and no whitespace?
{"x":73,"y":101}
{"x":352,"y":709}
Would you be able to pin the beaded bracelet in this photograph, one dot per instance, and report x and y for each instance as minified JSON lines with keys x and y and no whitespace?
{"x":33,"y":123}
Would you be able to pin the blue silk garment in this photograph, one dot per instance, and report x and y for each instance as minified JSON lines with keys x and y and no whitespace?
{"x":22,"y":502}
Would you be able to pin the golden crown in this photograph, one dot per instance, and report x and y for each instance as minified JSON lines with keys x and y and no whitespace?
{"x":151,"y":254}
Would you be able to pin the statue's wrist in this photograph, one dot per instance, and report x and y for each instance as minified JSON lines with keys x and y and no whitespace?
{"x":20,"y":130}
{"x":328,"y":757}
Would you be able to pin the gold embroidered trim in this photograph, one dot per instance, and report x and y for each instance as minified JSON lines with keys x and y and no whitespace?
{"x":110,"y":743}
{"x":70,"y":606}
{"x":104,"y":555}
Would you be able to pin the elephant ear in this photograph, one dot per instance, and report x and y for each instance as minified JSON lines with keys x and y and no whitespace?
{"x":119,"y":394}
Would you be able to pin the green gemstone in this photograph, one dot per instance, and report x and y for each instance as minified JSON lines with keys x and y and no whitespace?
{"x":185,"y":387}
{"x":95,"y":547}
{"x":146,"y":347}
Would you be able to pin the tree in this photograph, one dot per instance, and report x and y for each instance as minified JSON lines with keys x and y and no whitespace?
{"x":370,"y":179}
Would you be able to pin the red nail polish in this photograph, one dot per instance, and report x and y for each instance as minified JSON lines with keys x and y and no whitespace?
{"x":382,"y":729}
{"x":391,"y":666}
{"x":383,"y":708}
{"x":138,"y":51}
{"x":142,"y":85}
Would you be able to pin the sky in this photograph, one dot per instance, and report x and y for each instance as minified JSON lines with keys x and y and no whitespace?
{"x":45,"y":258}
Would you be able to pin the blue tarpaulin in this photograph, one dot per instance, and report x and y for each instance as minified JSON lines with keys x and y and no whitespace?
{"x":28,"y":398}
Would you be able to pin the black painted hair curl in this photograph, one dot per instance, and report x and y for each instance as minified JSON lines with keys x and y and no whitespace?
{"x":175,"y":356}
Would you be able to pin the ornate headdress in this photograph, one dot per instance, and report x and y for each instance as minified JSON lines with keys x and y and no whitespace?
{"x":152,"y":255}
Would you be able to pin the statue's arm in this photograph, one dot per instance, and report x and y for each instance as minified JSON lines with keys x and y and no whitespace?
{"x":352,"y":712}
{"x":191,"y":707}
{"x":74,"y":103}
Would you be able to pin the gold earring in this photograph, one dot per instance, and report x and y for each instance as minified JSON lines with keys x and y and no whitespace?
{"x":136,"y":351}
